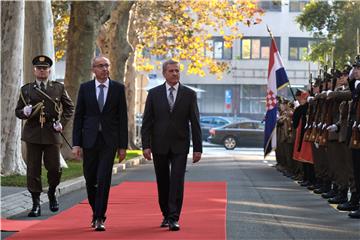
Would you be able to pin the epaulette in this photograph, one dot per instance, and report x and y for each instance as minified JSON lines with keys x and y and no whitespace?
{"x":26,"y":85}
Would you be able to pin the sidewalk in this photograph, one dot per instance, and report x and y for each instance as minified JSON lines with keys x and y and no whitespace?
{"x":17,"y":200}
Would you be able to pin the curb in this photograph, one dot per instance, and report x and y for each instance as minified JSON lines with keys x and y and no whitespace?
{"x":17,"y":203}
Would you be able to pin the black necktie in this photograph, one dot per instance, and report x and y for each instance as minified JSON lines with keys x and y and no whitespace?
{"x":101,"y":97}
{"x":42,"y":86}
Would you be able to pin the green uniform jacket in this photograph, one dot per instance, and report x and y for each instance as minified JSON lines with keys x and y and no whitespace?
{"x":32,"y":131}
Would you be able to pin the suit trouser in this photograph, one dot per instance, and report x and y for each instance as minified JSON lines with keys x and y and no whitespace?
{"x":170,"y":175}
{"x":356,"y":163}
{"x":97,"y":165}
{"x":50,"y":153}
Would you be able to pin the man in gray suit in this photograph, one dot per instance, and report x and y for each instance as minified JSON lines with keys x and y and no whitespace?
{"x":165,"y":132}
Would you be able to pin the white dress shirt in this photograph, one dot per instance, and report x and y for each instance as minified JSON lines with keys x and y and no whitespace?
{"x":106,"y":88}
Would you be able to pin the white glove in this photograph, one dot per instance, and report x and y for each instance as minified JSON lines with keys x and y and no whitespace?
{"x":332,"y":128}
{"x":316,"y":144}
{"x":328,"y":92}
{"x":359,"y":127}
{"x":324,"y":126}
{"x":356,"y":83}
{"x":309,"y":98}
{"x":306,"y":126}
{"x":354,"y":125}
{"x":314,"y":124}
{"x":319,"y":125}
{"x":296,"y":103}
{"x":27,"y":110}
{"x":57,"y":126}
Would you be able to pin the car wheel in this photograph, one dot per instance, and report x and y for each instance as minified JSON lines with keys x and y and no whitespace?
{"x":230,"y":143}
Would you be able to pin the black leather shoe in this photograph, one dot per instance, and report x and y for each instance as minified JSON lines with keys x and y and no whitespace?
{"x":93,"y":222}
{"x":99,"y":225}
{"x":164,"y":223}
{"x":174,"y":225}
{"x":53,"y":203}
{"x":35,"y":211}
{"x":355,"y":214}
{"x":329,"y":194}
{"x":338,"y":199}
{"x":348,"y":206}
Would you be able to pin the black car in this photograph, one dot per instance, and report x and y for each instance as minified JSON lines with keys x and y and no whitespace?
{"x":247,"y":133}
{"x":208,"y":122}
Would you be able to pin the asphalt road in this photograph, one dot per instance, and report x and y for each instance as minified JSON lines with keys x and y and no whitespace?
{"x":261,"y":202}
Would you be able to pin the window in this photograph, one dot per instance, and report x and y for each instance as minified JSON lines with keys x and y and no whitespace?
{"x":246,"y":125}
{"x":217,"y":50}
{"x":297,"y":5}
{"x":270,"y":5}
{"x":299,"y":48}
{"x":205,"y":120}
{"x":252,"y":99}
{"x":257,"y":47}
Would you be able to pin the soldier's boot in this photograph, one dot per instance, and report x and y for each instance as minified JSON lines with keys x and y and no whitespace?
{"x":355,"y":214}
{"x":325,"y":187}
{"x":341,"y":197}
{"x":53,"y":203}
{"x":351,"y":205}
{"x":331,"y":193}
{"x":36,"y":210}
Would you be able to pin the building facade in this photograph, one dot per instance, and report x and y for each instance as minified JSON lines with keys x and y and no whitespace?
{"x":241,"y":92}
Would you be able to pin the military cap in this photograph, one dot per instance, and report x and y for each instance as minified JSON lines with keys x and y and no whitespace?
{"x":42,"y":60}
{"x":347,"y":69}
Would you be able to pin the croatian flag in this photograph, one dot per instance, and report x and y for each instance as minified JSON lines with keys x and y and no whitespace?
{"x":277,"y":79}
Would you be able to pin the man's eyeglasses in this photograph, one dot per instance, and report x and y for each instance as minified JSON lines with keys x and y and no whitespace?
{"x":102,"y":66}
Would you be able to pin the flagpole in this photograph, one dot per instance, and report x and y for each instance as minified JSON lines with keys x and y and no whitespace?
{"x":272,"y":37}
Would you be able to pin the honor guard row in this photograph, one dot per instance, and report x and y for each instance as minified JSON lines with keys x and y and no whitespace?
{"x":46,"y":107}
{"x":319,"y":141}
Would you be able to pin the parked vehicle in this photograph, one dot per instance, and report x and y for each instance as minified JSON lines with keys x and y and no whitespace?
{"x":208,"y":122}
{"x":247,"y":133}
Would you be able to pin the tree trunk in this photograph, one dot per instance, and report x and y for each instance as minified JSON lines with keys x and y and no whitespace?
{"x":38,"y":36}
{"x":119,"y":50}
{"x":12,"y":36}
{"x":130,"y":83}
{"x":85,"y":21}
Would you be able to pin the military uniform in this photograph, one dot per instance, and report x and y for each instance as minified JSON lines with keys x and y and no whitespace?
{"x":354,"y":116}
{"x":51,"y":103}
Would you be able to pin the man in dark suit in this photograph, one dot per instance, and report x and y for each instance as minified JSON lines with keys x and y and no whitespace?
{"x":100,"y":130}
{"x":46,"y":107}
{"x":169,"y":109}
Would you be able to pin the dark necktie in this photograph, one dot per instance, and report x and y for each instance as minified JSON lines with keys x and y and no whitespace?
{"x":171,"y":98}
{"x":101,"y":97}
{"x":42,"y":86}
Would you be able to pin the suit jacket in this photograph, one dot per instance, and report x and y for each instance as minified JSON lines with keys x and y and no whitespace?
{"x":113,"y":118}
{"x":163,"y":130}
{"x":32,"y":131}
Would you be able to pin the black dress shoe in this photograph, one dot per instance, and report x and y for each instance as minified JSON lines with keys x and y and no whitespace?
{"x":93,"y":222}
{"x":99,"y":225}
{"x":35,"y":211}
{"x":329,"y":194}
{"x":348,"y":206}
{"x":53,"y":203}
{"x":164,"y":223}
{"x":355,"y":214}
{"x":174,"y":225}
{"x":338,"y":199}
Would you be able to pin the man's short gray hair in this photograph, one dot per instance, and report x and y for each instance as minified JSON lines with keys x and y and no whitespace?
{"x":96,"y":58}
{"x":168,"y":62}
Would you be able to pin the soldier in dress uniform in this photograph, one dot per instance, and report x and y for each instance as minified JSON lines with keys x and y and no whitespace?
{"x":354,"y":127}
{"x":46,"y":107}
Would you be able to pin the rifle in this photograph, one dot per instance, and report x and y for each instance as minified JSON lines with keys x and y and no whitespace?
{"x":317,"y":114}
{"x":355,"y":133}
{"x":329,"y":107}
{"x":319,"y":130}
{"x":309,"y":114}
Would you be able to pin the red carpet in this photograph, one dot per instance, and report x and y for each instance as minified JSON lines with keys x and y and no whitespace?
{"x":133,"y":213}
{"x":16,"y":225}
